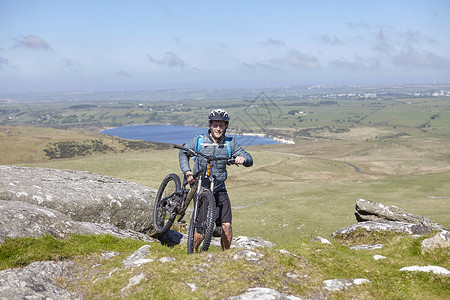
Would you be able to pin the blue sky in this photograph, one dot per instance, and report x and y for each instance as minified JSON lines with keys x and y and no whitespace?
{"x":99,"y":45}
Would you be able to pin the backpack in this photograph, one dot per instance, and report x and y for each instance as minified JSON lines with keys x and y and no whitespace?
{"x":201,"y":137}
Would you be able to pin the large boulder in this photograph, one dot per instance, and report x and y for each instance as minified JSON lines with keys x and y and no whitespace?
{"x":371,"y":226}
{"x":39,"y":280}
{"x":82,"y":196}
{"x":440,"y":240}
{"x":367,"y":210}
{"x":20,"y":219}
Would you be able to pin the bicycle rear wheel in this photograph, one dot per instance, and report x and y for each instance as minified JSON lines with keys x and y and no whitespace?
{"x":166,"y":202}
{"x":202,"y":221}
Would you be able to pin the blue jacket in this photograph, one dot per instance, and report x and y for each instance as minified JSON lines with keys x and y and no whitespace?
{"x":208,"y":147}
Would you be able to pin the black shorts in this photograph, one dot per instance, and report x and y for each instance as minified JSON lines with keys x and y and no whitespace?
{"x":223,"y":208}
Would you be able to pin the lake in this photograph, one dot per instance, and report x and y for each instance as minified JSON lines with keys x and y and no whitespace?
{"x":174,"y":134}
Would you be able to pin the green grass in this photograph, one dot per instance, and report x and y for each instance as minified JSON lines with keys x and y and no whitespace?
{"x":217,"y":275}
{"x":22,"y":251}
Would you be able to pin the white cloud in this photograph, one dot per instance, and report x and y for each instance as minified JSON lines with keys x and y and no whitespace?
{"x":3,"y":62}
{"x":30,"y":41}
{"x":423,"y":59}
{"x":272,"y":42}
{"x":170,"y":60}
{"x":123,"y":73}
{"x":295,"y":58}
{"x":331,"y":40}
{"x":358,"y":63}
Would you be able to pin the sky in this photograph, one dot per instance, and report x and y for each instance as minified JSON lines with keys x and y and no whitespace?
{"x":118,"y":45}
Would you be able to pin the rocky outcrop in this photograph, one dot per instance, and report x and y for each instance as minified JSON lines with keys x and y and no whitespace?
{"x":383,"y":226}
{"x":373,"y":216}
{"x":261,"y":293}
{"x":19,"y":219}
{"x":81,"y":196}
{"x":334,"y":285}
{"x":35,"y":281}
{"x":367,"y":210}
{"x":440,"y":240}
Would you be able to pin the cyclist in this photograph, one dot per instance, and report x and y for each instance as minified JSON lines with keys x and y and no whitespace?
{"x":215,"y":143}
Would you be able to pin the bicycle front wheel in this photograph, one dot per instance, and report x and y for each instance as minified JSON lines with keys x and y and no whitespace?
{"x":202,"y":222}
{"x":166,"y":202}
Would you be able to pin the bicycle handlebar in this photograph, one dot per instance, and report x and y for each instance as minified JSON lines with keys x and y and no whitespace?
{"x":230,"y":161}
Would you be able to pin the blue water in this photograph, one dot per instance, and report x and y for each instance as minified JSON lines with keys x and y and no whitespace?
{"x":174,"y":134}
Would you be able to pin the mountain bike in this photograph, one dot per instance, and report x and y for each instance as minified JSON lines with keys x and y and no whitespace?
{"x":173,"y":199}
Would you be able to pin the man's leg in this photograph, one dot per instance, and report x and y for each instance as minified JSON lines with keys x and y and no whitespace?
{"x":227,"y":236}
{"x":198,"y":238}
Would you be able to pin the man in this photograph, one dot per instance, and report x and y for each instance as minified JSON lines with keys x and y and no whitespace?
{"x":214,"y":142}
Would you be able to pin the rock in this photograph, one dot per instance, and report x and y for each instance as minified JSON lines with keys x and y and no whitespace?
{"x":192,"y":286}
{"x":82,"y":196}
{"x":322,"y":240}
{"x":243,"y":242}
{"x":383,"y":226}
{"x":250,"y":243}
{"x":378,"y":257}
{"x":435,"y":269}
{"x":20,"y":219}
{"x":367,"y":210}
{"x":367,"y":247}
{"x":333,"y":285}
{"x":260,"y":293}
{"x":167,"y":259}
{"x":440,"y":240}
{"x":135,"y":280}
{"x":247,"y":255}
{"x":35,"y":281}
{"x":138,"y":257}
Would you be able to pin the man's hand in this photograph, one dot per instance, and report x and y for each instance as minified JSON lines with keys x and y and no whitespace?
{"x":189,"y":177}
{"x":239,"y":160}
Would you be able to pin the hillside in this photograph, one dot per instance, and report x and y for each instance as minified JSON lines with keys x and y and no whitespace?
{"x":60,"y":238}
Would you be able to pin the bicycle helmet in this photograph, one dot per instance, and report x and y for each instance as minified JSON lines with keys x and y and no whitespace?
{"x":219,"y":115}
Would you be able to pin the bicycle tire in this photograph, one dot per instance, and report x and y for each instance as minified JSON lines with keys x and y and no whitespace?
{"x":208,"y":224}
{"x":167,"y":198}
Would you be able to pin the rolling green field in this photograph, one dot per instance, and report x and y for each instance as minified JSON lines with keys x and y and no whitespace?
{"x":400,"y":145}
{"x":306,"y":189}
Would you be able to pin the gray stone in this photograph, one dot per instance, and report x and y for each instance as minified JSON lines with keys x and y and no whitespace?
{"x":82,"y":196}
{"x":261,"y":293}
{"x":247,"y":255}
{"x":322,"y":240}
{"x":35,"y":281}
{"x":138,"y":257}
{"x":20,"y":219}
{"x":249,"y":243}
{"x":440,"y":240}
{"x":378,"y":257}
{"x":367,"y":247}
{"x":334,"y":285}
{"x":135,"y":280}
{"x":167,"y":259}
{"x":383,"y":226}
{"x":434,"y":269}
{"x":367,"y":210}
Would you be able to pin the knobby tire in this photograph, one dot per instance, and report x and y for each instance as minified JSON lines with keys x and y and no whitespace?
{"x":206,"y":197}
{"x":167,"y":198}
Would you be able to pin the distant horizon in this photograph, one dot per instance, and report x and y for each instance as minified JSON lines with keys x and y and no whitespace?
{"x":228,"y":88}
